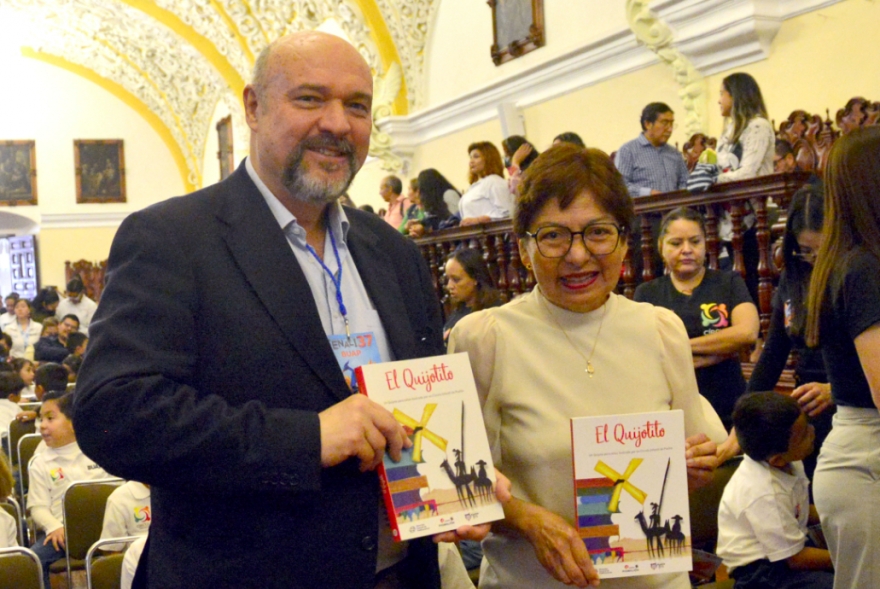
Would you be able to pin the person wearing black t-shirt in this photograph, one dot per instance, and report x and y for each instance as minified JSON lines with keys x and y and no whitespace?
{"x":844,"y":318}
{"x":715,"y":306}
{"x":803,"y":236}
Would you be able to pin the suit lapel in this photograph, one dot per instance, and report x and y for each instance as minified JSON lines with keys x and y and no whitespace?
{"x":261,"y":251}
{"x":380,"y":280}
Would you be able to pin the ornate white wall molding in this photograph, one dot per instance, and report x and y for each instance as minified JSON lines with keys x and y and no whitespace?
{"x":408,"y":21}
{"x":81,"y":220}
{"x":660,"y":39}
{"x":713,"y":34}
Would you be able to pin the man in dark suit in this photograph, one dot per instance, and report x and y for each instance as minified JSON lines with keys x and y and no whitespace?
{"x":210,"y":374}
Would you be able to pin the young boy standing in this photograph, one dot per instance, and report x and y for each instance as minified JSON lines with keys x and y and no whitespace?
{"x":765,"y":509}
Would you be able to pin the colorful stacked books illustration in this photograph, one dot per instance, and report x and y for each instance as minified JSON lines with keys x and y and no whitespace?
{"x":630,"y":492}
{"x":446,"y":478}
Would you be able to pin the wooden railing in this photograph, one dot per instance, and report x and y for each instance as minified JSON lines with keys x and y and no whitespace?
{"x":499,"y":245}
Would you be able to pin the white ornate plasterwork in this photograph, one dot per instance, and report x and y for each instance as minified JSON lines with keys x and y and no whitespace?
{"x":149,"y":61}
{"x":658,"y":37}
{"x":385,"y":90}
{"x":407,"y":21}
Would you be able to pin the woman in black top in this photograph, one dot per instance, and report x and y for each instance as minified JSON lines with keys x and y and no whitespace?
{"x":715,"y":306}
{"x":844,"y":318}
{"x":803,"y":236}
{"x":469,"y":285}
{"x":436,"y":194}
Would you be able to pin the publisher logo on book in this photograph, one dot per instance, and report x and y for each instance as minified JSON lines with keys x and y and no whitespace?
{"x":657,"y":565}
{"x":446,"y":521}
{"x":469,"y":515}
{"x":630,"y":568}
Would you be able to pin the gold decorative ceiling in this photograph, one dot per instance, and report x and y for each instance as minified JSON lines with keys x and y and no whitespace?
{"x":173,"y":61}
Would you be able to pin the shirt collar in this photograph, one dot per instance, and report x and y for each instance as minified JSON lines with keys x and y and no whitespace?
{"x":337,"y":219}
{"x":644,"y":141}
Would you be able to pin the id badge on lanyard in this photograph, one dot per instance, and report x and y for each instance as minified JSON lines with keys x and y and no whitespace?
{"x":354,"y":351}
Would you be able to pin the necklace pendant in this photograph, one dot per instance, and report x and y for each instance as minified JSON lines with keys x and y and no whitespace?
{"x":589,"y":369}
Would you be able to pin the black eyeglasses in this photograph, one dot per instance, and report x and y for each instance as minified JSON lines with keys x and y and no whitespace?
{"x":600,"y":239}
{"x":807,"y":255}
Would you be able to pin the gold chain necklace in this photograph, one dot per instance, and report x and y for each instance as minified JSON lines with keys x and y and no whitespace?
{"x":589,"y":369}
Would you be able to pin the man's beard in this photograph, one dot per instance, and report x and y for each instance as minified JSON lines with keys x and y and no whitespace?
{"x":309,"y":187}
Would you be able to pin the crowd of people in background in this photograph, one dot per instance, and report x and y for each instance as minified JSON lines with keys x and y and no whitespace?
{"x":41,"y":349}
{"x":572,"y":211}
{"x":718,"y":309}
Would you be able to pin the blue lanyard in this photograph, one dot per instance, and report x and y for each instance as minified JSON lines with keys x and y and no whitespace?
{"x":336,"y":279}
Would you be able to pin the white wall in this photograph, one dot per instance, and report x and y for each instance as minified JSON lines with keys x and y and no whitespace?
{"x":53,"y":106}
{"x":460,"y":38}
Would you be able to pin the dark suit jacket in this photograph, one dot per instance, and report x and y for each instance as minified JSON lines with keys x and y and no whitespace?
{"x":206,"y":370}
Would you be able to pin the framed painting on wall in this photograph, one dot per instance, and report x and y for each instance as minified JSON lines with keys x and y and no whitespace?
{"x":224,"y":149}
{"x":100,"y":170}
{"x":18,"y":173}
{"x":518,"y":28}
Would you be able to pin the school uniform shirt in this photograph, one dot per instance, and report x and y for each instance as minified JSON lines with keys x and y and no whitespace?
{"x":8,"y":531}
{"x":8,"y":411}
{"x":51,"y":473}
{"x":127,"y":513}
{"x":130,"y":562}
{"x":707,"y":310}
{"x":763,"y":514}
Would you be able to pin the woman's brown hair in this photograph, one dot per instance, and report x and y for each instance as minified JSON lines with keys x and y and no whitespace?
{"x":852,"y":217}
{"x":491,"y":158}
{"x":565,"y":171}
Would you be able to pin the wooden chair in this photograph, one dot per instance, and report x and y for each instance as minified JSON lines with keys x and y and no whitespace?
{"x":27,"y":445}
{"x":21,"y":569}
{"x":17,"y":430}
{"x":105,"y":572}
{"x":10,"y":506}
{"x":83,"y":506}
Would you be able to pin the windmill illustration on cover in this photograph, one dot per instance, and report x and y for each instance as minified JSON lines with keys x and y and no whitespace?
{"x":446,"y":479}
{"x":630,"y":492}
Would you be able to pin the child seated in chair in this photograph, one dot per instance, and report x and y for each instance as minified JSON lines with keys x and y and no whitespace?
{"x":8,"y":526}
{"x":765,"y":509}
{"x":49,"y":377}
{"x":52,"y":472}
{"x":10,"y":395}
{"x":127,"y":513}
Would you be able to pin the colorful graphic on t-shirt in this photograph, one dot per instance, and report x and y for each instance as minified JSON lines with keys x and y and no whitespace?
{"x":714,"y":315}
{"x":56,"y":474}
{"x":142,"y":514}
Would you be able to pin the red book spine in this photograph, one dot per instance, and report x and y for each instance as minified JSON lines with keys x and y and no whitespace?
{"x":383,"y":476}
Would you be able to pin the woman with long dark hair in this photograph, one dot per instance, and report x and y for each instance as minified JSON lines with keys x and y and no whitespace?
{"x":803,"y":236}
{"x":518,"y":156}
{"x":745,"y":150}
{"x":470,"y":286}
{"x":438,"y":196}
{"x":748,"y":134}
{"x":844,"y":318}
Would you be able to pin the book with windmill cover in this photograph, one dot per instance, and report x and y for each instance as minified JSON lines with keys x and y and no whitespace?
{"x":631,"y":493}
{"x":446,"y":479}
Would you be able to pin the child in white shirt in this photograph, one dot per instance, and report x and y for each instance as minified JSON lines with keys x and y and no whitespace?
{"x":10,"y":394}
{"x":51,"y":473}
{"x":127,"y":513}
{"x":765,"y":509}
